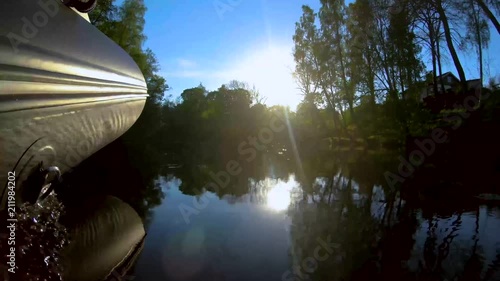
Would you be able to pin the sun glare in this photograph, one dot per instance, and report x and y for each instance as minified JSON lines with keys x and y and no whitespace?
{"x":279,"y":196}
{"x":270,"y":70}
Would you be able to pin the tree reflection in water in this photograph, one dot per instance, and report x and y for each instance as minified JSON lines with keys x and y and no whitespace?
{"x":118,"y":170}
{"x":379,"y":232}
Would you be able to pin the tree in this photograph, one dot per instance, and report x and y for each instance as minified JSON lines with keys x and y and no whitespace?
{"x":361,"y":27}
{"x":488,"y":12}
{"x":255,"y":95}
{"x":305,"y":38}
{"x":478,"y":32}
{"x":405,"y":55}
{"x":312,"y":70}
{"x":385,"y":76}
{"x":428,"y":33}
{"x":449,"y":41}
{"x":103,"y":16}
{"x":332,"y":16}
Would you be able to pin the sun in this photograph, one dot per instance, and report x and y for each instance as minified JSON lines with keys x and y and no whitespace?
{"x":279,"y":196}
{"x":270,"y":70}
{"x":278,"y":199}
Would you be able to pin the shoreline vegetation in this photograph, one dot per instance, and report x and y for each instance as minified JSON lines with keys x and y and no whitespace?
{"x":365,"y":85}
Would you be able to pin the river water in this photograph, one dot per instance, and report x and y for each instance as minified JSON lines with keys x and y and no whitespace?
{"x":337,"y":226}
{"x":327,"y":216}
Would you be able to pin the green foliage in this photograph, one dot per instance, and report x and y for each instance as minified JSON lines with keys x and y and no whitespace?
{"x":358,"y":66}
{"x":358,"y":56}
{"x":103,"y":16}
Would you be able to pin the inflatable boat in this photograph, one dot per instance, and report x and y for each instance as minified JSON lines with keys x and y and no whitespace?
{"x":66,"y":89}
{"x":102,"y":243}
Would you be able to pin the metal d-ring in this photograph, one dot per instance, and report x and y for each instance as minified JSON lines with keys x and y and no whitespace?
{"x":82,"y":6}
{"x":52,"y":178}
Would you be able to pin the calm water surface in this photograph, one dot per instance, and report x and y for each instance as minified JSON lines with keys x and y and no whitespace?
{"x":329,"y":216}
{"x":334,"y":228}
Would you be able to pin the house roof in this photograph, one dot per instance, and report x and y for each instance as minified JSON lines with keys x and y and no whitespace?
{"x":474,"y":83}
{"x":470,"y":83}
{"x":447,"y":74}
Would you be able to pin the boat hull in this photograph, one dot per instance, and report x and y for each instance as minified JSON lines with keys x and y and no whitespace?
{"x":66,"y":89}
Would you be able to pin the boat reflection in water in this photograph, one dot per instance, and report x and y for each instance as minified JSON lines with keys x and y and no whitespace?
{"x":103,"y":244}
{"x":82,"y":243}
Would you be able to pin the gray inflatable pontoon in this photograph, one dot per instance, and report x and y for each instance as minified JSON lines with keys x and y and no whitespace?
{"x":66,"y":89}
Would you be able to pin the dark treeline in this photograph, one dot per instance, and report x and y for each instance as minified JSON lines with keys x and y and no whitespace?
{"x":361,"y":71}
{"x":360,"y":67}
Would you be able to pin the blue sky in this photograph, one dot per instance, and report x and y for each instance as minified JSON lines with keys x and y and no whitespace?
{"x":215,"y":41}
